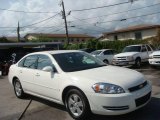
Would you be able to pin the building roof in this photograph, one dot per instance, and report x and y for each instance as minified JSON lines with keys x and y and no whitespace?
{"x":28,"y":44}
{"x":59,"y":35}
{"x":133,"y":28}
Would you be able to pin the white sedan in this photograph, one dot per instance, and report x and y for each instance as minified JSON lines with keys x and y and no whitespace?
{"x":81,"y":82}
{"x":106,"y":55}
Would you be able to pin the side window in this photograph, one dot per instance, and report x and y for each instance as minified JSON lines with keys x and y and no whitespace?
{"x":43,"y":61}
{"x":108,"y":52}
{"x":149,"y":49}
{"x":21,"y":63}
{"x":144,"y":49}
{"x":153,"y":48}
{"x":30,"y":61}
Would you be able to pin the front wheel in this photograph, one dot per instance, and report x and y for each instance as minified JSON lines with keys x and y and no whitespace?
{"x":18,"y":89}
{"x":77,"y":105}
{"x":138,"y":63}
{"x":106,"y":61}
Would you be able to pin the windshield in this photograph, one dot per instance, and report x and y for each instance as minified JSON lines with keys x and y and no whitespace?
{"x":97,"y":52}
{"x":76,"y":61}
{"x":132,"y":49}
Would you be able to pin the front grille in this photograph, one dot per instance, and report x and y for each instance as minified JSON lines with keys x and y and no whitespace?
{"x":138,"y":87}
{"x":142,"y":100}
{"x":156,"y":56}
{"x":121,"y":58}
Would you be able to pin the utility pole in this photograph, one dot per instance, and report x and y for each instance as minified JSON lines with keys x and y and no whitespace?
{"x":18,"y":34}
{"x":65,"y":20}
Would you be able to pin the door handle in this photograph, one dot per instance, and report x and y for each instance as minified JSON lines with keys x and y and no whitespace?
{"x":37,"y":75}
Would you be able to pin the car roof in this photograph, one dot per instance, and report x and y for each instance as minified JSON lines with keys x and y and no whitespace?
{"x":56,"y":52}
{"x":137,"y":45}
{"x":104,"y":49}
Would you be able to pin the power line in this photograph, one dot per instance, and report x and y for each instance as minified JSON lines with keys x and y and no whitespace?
{"x":89,"y":23}
{"x":119,"y":12}
{"x":87,"y":29}
{"x":40,"y":21}
{"x":93,"y":8}
{"x":131,"y":17}
{"x":20,"y":11}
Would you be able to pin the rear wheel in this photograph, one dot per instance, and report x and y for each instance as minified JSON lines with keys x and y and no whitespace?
{"x":18,"y":89}
{"x":77,"y":105}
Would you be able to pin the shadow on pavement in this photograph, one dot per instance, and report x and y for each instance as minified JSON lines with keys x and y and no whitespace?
{"x":48,"y":103}
{"x":149,"y":112}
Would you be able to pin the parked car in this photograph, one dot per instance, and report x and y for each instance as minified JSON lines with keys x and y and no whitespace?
{"x":81,"y":82}
{"x":88,"y":50}
{"x":133,"y":55}
{"x":154,"y":58}
{"x":106,"y":55}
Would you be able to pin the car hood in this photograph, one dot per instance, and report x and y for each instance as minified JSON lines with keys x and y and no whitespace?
{"x":123,"y":77}
{"x":126,"y":54}
{"x":156,"y":53}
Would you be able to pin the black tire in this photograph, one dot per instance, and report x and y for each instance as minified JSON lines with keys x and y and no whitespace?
{"x":138,"y":63}
{"x":154,"y":67}
{"x":73,"y":101}
{"x":18,"y":89}
{"x":106,"y":61}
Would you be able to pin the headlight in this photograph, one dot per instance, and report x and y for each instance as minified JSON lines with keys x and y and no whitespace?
{"x":105,"y":88}
{"x":130,"y":58}
{"x":150,"y":57}
{"x":114,"y":58}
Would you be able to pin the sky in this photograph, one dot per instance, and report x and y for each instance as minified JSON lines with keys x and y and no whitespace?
{"x":92,"y":22}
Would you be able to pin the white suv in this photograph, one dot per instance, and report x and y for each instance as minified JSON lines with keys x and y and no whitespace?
{"x":133,"y":55}
{"x":81,"y":82}
{"x":154,"y":58}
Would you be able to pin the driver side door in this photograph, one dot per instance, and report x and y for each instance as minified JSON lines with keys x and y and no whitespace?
{"x":47,"y":82}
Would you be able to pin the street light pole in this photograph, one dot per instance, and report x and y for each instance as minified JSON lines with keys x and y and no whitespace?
{"x":65,"y":20}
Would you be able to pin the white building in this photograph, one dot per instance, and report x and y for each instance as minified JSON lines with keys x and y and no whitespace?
{"x":138,"y":32}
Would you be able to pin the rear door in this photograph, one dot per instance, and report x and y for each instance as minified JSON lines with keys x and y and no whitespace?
{"x":149,"y":49}
{"x":144,"y":54}
{"x":108,"y":54}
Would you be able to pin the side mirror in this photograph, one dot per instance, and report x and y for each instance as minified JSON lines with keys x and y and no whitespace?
{"x":48,"y":69}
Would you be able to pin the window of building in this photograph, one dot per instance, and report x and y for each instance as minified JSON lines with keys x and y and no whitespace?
{"x":71,"y":39}
{"x":138,"y":35}
{"x":77,"y":39}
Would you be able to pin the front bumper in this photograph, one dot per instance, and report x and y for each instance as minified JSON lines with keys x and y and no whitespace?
{"x":122,"y":63}
{"x":155,"y":62}
{"x":117,"y":104}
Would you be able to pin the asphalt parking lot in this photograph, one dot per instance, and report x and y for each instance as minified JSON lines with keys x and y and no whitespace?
{"x":11,"y":107}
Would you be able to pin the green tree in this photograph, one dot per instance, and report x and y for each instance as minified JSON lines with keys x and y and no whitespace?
{"x":3,"y":40}
{"x":91,"y":43}
{"x":98,"y":45}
